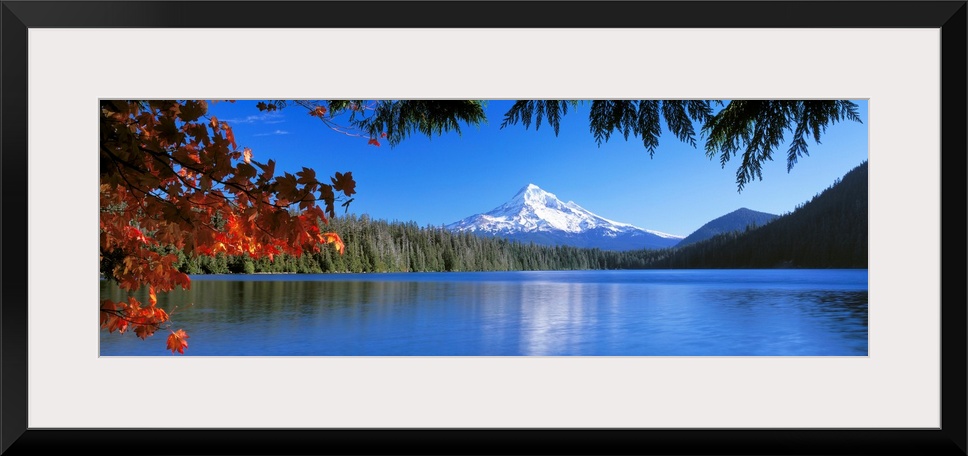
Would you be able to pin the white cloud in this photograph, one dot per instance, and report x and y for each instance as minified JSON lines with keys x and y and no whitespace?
{"x":273,"y":117}
{"x":277,"y":132}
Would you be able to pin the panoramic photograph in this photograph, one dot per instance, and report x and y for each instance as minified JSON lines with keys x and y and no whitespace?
{"x":443,"y":227}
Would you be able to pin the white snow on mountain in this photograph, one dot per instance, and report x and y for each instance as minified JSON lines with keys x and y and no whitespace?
{"x":537,"y":215}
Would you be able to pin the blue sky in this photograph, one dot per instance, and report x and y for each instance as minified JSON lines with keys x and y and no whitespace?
{"x":439,"y":180}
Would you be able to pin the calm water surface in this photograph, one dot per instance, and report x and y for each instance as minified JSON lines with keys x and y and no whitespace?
{"x":583,"y":313}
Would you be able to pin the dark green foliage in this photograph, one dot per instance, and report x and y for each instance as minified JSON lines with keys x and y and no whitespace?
{"x":608,"y":116}
{"x":398,"y":119}
{"x":381,"y":246}
{"x":218,"y":264}
{"x":240,"y":265}
{"x":648,"y":124}
{"x":638,"y":118}
{"x":525,"y":111}
{"x":829,"y":231}
{"x":757,"y":127}
{"x":752,"y":128}
{"x":742,"y":218}
{"x":679,"y":115}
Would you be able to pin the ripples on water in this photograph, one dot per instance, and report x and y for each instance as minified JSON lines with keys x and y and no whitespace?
{"x":586,"y":313}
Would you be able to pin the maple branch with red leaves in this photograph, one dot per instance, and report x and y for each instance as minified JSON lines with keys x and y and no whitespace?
{"x":168,"y":180}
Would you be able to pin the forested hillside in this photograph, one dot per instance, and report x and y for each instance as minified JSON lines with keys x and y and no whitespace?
{"x":740,"y":219}
{"x":829,"y":231}
{"x":381,"y":246}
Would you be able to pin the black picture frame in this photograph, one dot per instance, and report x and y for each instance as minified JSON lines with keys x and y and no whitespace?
{"x":18,"y":16}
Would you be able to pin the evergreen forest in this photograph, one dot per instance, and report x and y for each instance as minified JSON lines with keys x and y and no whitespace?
{"x":829,"y":231}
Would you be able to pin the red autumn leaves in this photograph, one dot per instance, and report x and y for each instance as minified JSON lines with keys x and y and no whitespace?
{"x":172,"y":179}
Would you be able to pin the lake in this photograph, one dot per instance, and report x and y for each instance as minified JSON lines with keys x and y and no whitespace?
{"x":775,"y":312}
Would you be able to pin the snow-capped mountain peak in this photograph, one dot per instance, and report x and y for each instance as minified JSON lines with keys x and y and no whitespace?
{"x":533,"y":196}
{"x":537,"y":215}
